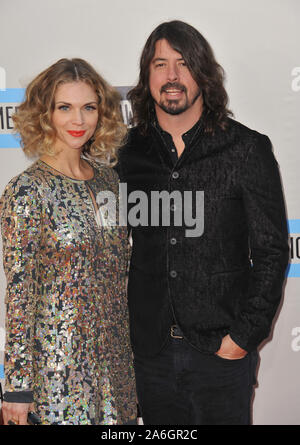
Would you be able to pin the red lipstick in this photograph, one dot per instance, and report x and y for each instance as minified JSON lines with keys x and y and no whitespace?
{"x":76,"y":134}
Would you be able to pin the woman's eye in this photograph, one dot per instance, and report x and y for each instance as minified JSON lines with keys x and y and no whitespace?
{"x":90,"y":107}
{"x":63,"y":107}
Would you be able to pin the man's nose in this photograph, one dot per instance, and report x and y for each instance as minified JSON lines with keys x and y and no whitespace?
{"x":172,"y":73}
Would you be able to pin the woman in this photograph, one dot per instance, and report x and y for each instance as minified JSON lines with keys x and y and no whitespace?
{"x":67,"y":342}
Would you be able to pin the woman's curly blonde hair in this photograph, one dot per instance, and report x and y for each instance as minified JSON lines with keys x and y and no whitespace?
{"x":33,"y":119}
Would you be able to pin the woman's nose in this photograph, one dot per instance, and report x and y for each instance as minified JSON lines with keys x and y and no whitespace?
{"x":77,"y":117}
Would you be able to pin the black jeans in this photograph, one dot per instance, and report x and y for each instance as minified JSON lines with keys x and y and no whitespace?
{"x":182,"y":386}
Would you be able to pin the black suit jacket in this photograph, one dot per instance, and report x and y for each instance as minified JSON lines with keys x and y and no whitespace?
{"x":229,"y":279}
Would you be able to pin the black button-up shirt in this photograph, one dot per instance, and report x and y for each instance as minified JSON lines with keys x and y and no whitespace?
{"x":187,"y":138}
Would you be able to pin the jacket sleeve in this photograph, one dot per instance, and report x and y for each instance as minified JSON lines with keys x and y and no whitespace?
{"x":268,"y":242}
{"x":20,"y":209}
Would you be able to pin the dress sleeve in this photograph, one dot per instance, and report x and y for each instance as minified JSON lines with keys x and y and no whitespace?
{"x":20,"y":210}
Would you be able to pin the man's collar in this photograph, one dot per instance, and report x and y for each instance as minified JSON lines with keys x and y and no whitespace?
{"x":188,"y":134}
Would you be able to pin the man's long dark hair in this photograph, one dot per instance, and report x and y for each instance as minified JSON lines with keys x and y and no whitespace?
{"x":200,"y":60}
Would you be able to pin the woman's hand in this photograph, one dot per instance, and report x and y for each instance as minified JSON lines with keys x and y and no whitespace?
{"x":16,"y":412}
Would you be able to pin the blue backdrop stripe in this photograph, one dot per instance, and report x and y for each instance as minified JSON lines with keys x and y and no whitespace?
{"x":9,"y":141}
{"x":12,"y":95}
{"x":293,"y":271}
{"x":294,"y":225}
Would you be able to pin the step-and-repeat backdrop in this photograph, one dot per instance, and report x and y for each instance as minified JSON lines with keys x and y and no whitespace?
{"x":258,"y":44}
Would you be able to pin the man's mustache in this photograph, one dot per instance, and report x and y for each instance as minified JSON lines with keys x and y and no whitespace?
{"x":175,"y":85}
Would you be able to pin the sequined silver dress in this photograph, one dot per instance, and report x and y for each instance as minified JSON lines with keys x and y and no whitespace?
{"x":67,"y":334}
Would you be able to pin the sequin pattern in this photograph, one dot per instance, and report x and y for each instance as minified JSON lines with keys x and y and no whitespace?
{"x":67,"y":334}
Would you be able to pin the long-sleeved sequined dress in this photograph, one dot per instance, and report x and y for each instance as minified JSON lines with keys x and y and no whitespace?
{"x":67,"y":334}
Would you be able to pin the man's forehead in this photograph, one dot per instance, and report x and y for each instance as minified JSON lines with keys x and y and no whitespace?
{"x":163,"y":50}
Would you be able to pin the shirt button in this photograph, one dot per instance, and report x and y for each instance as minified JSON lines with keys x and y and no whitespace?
{"x":175,"y":175}
{"x":173,"y":273}
{"x":173,"y":241}
{"x":173,"y":207}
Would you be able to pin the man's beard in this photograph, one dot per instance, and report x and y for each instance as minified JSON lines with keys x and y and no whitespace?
{"x":173,"y":106}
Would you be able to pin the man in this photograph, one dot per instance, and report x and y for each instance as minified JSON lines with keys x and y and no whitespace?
{"x":200,"y":303}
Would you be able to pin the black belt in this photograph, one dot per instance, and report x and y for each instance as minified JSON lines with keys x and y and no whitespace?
{"x":176,"y":331}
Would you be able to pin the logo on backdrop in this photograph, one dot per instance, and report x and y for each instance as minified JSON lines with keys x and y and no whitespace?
{"x":125,"y":105}
{"x":296,"y":79}
{"x":6,"y":122}
{"x":294,"y":266}
{"x":296,"y":341}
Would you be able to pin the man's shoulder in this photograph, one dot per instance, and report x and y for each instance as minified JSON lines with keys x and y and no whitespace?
{"x":243,"y":132}
{"x":245,"y":141}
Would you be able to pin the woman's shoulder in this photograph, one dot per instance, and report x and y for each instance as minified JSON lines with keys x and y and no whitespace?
{"x":24,"y":184}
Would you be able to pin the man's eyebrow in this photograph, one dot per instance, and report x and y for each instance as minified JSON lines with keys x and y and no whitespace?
{"x":164,"y":59}
{"x":157,"y":59}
